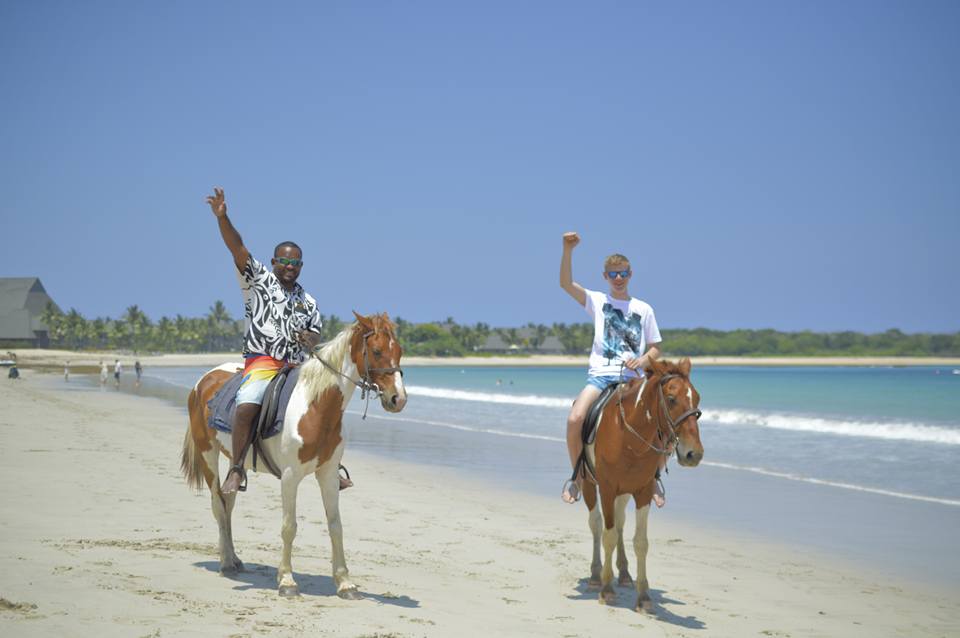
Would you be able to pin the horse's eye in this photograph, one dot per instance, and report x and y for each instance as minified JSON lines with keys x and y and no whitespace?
{"x":671,"y":399}
{"x":377,"y":353}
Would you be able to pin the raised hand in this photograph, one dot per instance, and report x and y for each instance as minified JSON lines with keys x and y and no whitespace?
{"x":570,"y":240}
{"x":218,"y":203}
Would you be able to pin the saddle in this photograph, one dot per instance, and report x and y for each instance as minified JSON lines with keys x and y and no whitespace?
{"x":269,"y":422}
{"x":588,"y":433}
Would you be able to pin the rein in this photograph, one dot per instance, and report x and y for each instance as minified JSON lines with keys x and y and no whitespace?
{"x":664,"y":413}
{"x":367,"y":387}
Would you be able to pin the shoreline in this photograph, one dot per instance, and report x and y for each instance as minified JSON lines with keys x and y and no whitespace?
{"x":89,"y":361}
{"x":125,"y":548}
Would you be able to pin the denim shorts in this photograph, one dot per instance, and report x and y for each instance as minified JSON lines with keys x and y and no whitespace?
{"x":252,"y":391}
{"x":601,"y":382}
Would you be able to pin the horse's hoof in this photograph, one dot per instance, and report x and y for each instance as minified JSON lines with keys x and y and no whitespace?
{"x":608,"y":597}
{"x":231,"y":568}
{"x":625,"y":580}
{"x":644,"y":604}
{"x":594,"y":584}
{"x":289,"y":591}
{"x":349,"y":593}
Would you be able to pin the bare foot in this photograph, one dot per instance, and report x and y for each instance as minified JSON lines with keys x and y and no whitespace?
{"x":232,"y":483}
{"x":345,"y":483}
{"x":571,"y":492}
{"x":658,"y":496}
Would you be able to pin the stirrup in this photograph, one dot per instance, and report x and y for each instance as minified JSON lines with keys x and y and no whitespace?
{"x":243,"y":476}
{"x":346,"y":475}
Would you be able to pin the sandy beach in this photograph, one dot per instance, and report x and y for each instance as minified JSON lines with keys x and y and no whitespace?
{"x":80,"y":360}
{"x":101,"y":536}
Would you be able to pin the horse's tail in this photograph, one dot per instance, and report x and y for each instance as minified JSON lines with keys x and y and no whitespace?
{"x":192,"y":464}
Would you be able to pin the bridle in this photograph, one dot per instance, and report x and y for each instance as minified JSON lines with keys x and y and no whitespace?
{"x":366,"y":384}
{"x":664,"y":414}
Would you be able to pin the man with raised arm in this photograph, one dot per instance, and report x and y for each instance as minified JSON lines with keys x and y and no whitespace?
{"x":625,"y":339}
{"x":283,"y":326}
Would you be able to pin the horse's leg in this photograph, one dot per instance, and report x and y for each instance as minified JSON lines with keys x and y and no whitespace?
{"x":640,"y":545}
{"x":622,"y":566}
{"x":222,"y":509}
{"x":329,"y":481}
{"x":595,"y":520}
{"x":609,"y":537}
{"x":287,"y":586}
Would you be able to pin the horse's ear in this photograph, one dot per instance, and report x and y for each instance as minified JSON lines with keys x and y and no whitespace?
{"x":364,"y":321}
{"x":685,"y":367}
{"x":652,"y":368}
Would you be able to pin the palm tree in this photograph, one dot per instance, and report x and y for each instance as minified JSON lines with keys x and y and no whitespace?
{"x":136,"y":326}
{"x":53,"y":319}
{"x":220,"y":327}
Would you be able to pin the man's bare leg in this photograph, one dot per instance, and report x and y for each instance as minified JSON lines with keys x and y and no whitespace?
{"x":578,"y":413}
{"x":242,"y":426}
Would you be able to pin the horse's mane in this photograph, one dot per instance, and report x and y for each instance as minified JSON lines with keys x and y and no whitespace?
{"x":317,"y":377}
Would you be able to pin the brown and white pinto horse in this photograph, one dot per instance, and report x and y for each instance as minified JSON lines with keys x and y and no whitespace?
{"x":642,"y":422}
{"x":365,"y":353}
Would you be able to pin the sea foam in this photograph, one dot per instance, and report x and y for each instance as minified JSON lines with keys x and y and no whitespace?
{"x":890,"y":430}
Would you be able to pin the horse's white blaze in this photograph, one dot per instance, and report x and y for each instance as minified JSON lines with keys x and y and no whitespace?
{"x":690,"y":396}
{"x":649,"y":418}
{"x":398,"y":384}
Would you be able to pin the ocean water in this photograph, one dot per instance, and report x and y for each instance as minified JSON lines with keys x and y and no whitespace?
{"x":894,"y":432}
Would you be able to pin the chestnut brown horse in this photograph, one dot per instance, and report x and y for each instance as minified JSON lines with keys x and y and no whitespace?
{"x":643,"y":421}
{"x":366,"y":355}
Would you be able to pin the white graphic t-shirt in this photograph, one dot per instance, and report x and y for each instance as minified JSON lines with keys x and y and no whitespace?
{"x":621,"y":330}
{"x":275,"y":316}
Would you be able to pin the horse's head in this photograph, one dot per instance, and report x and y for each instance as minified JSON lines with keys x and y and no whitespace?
{"x":679,"y":406}
{"x":376,"y":353}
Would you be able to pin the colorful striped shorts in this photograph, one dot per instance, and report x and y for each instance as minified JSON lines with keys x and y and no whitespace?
{"x":258,"y":371}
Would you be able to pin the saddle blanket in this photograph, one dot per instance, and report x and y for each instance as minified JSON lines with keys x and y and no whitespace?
{"x":223,"y":405}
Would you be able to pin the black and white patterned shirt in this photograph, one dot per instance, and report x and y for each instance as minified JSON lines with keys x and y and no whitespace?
{"x":275,"y":316}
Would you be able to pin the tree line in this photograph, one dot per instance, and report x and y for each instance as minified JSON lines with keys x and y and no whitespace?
{"x":217,"y":331}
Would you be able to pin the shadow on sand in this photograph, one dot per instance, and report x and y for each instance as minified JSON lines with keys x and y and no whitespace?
{"x":627,"y":598}
{"x":257,"y":576}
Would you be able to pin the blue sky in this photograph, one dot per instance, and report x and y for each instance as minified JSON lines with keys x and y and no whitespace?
{"x":763,"y":164}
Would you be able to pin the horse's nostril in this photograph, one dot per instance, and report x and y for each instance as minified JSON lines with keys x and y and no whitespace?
{"x":393,"y":400}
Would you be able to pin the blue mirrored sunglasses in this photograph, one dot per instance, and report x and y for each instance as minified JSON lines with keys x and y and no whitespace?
{"x":283,"y":261}
{"x":622,"y":274}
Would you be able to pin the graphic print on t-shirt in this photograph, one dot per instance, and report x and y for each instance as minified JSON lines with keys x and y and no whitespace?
{"x":621,"y":333}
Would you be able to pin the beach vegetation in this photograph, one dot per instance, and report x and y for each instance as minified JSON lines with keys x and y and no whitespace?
{"x":217,"y":331}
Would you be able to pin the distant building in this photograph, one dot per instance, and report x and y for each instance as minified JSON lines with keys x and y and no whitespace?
{"x":551,"y":345}
{"x":494,"y":343}
{"x":22,"y":301}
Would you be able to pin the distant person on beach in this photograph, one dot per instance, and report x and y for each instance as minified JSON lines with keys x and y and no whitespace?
{"x":66,"y":371}
{"x":103,"y":374}
{"x":139,"y":370}
{"x":625,"y":339}
{"x":117,"y":369}
{"x":283,"y":327}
